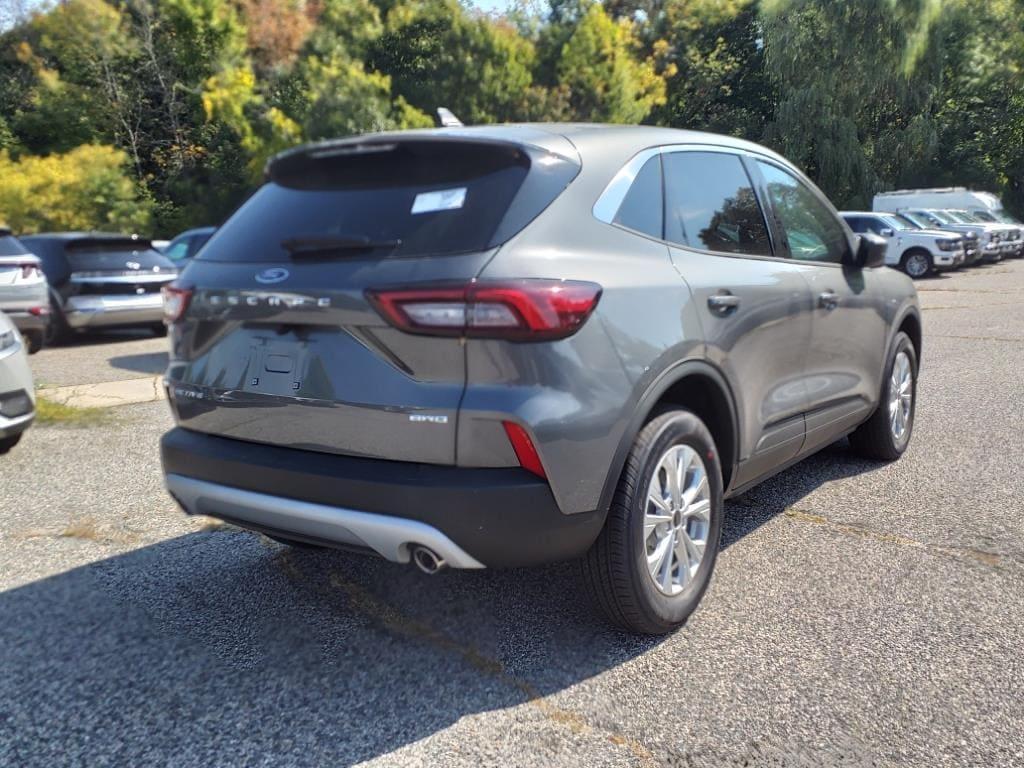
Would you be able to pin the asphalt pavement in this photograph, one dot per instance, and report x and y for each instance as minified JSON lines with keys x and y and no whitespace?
{"x":861,"y":614}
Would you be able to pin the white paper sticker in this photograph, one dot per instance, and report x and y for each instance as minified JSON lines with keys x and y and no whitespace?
{"x":441,"y":200}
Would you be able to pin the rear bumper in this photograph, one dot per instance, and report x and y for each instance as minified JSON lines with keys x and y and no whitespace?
{"x":99,"y":310}
{"x":473,"y":517}
{"x":25,"y":320}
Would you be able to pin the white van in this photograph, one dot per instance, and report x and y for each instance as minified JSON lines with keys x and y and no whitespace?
{"x":940,"y":198}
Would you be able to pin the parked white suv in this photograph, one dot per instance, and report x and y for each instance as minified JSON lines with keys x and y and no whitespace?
{"x":914,"y":250}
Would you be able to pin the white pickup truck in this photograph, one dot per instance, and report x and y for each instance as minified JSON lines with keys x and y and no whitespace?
{"x":916,"y":251}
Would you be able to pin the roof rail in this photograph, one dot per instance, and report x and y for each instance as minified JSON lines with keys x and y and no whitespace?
{"x":926,"y":190}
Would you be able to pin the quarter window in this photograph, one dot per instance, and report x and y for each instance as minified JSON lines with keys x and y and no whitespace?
{"x":814,"y":234}
{"x":642,"y":208}
{"x":710,"y":204}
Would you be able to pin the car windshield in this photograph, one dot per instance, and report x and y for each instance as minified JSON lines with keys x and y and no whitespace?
{"x":984,"y":216}
{"x":917,"y":219}
{"x":906,"y":221}
{"x":961,"y":217}
{"x":940,"y":217}
{"x":899,"y":223}
{"x":1006,"y":218}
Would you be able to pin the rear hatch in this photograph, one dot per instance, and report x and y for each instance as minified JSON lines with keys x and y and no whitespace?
{"x":280,"y":343}
{"x":116,"y":265}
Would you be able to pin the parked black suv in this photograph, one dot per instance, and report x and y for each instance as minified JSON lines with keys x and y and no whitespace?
{"x":100,"y":280}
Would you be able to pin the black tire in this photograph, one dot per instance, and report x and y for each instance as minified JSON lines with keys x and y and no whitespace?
{"x":911,"y":259}
{"x":6,"y":443}
{"x":57,"y":330}
{"x":874,"y":439}
{"x":615,"y":569}
{"x":34,"y":341}
{"x":158,"y":329}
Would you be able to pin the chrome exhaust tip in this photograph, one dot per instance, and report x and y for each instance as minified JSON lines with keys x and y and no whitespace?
{"x":427,"y":560}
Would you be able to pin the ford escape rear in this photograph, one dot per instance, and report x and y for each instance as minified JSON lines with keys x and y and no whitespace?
{"x":505,"y":346}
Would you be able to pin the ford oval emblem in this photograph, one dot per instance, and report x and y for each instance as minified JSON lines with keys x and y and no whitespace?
{"x":274,"y":275}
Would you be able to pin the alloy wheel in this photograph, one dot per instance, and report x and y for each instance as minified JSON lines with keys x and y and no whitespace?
{"x":677,"y":519}
{"x":901,"y":396}
{"x":917,"y":265}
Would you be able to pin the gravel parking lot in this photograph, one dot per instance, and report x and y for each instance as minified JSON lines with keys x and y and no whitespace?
{"x":861,"y":614}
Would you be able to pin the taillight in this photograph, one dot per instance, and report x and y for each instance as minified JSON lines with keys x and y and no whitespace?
{"x":524,"y":448}
{"x":519,"y":310}
{"x":30,"y":270}
{"x":176,"y":298}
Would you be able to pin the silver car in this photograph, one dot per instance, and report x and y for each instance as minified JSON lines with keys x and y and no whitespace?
{"x":503,"y":346}
{"x":17,"y":395}
{"x":23,"y":291}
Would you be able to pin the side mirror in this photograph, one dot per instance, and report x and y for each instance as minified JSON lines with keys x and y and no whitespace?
{"x":887,"y":232}
{"x":870,"y":252}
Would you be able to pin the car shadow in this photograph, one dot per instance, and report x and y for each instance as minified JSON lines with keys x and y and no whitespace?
{"x":148,"y":362}
{"x":105,"y":336}
{"x":223,"y":647}
{"x":767,"y":500}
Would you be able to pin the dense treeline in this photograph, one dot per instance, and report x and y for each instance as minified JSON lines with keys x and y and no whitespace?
{"x":157,"y":115}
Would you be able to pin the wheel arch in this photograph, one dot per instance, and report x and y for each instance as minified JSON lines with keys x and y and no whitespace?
{"x":700,"y":388}
{"x":909,"y":322}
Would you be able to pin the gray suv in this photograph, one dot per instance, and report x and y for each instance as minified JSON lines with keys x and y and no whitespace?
{"x":503,"y":346}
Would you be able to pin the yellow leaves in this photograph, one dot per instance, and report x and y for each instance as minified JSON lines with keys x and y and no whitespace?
{"x":86,"y":188}
{"x":606,"y":79}
{"x":226,"y":95}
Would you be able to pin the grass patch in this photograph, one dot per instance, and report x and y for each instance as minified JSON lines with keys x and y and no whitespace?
{"x":51,"y":412}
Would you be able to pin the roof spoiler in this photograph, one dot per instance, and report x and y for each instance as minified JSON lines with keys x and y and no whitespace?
{"x":445,"y":119}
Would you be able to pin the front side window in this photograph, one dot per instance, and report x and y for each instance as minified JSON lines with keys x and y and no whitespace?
{"x":710,"y":204}
{"x":813,"y":233}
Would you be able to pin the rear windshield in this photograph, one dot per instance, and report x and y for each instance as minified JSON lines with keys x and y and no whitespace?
{"x":115,"y":256}
{"x":409,"y":198}
{"x":11,"y":246}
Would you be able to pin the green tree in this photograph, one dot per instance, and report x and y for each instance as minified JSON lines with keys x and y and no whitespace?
{"x":981,"y":104}
{"x":856,"y":85}
{"x":606,"y":77}
{"x":721,"y":84}
{"x":437,"y":55}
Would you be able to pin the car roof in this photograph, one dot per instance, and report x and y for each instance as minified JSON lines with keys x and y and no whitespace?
{"x":196,"y":231}
{"x":562,"y":138}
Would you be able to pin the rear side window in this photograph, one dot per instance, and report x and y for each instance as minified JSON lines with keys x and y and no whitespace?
{"x":710,"y":204}
{"x":643,"y":208}
{"x":407,"y":198}
{"x":813,"y":233}
{"x":11,"y":246}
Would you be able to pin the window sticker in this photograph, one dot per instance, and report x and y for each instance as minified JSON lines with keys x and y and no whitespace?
{"x":441,"y":200}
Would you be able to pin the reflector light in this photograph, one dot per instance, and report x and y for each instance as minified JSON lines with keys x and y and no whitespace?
{"x":525,"y":450}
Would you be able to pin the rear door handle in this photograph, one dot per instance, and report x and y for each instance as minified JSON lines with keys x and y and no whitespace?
{"x":828,"y":300}
{"x":723,"y":303}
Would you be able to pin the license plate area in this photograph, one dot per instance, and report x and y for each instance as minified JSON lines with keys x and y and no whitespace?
{"x":276,"y":366}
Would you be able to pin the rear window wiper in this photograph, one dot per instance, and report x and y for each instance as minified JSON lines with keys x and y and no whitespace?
{"x":327,"y":244}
